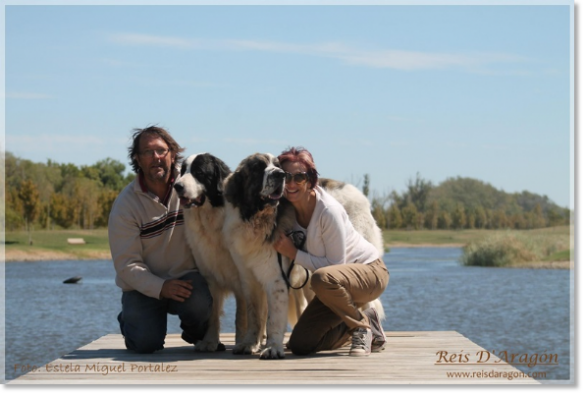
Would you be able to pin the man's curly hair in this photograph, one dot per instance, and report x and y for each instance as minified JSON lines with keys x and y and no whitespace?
{"x":174,"y":147}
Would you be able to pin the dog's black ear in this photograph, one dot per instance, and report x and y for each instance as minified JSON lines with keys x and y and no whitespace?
{"x":239,"y":194}
{"x":233,"y":188}
{"x":221,"y":172}
{"x":215,"y":189}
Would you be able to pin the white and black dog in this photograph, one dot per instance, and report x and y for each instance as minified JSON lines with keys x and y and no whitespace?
{"x":200,"y":188}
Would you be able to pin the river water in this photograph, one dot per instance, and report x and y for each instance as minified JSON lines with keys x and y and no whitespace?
{"x":522,"y":311}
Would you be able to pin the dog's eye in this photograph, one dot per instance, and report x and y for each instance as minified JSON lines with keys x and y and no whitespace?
{"x":183,"y":168}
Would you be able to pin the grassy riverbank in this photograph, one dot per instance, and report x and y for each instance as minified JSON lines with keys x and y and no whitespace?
{"x":52,"y":245}
{"x":512,"y":248}
{"x":537,"y":248}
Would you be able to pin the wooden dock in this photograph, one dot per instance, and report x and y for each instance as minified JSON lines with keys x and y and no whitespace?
{"x":409,"y":358}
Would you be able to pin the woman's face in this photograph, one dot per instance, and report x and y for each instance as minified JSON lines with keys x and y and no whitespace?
{"x":294,"y":191}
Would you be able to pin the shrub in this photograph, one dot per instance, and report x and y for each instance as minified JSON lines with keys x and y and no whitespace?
{"x":510,"y":247}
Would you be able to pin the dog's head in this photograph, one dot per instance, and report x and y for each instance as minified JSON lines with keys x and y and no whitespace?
{"x":257,"y":182}
{"x":201,"y":178}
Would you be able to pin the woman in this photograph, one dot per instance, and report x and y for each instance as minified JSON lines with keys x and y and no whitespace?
{"x":347,"y":270}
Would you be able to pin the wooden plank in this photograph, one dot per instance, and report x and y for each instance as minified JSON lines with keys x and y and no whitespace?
{"x":409,"y":358}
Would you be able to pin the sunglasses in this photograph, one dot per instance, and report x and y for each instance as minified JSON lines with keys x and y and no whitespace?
{"x":298,"y":178}
{"x":298,"y":237}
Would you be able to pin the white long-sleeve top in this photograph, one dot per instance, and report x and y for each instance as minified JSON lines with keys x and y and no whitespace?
{"x":331,"y":239}
{"x":147,"y":240}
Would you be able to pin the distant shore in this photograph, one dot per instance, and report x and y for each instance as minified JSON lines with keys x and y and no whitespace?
{"x":44,"y":255}
{"x":39,"y":255}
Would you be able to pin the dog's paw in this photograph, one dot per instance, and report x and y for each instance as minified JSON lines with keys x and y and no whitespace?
{"x":206,"y":346}
{"x":273,"y":352}
{"x":245,"y":349}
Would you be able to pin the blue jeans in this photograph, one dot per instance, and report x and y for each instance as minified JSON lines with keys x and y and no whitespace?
{"x":143,"y":320}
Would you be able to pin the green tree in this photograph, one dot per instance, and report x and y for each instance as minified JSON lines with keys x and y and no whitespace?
{"x":432,"y":215}
{"x":418,"y":191}
{"x":109,"y":172}
{"x":366,"y":186}
{"x":105,"y":203}
{"x":481,"y":219}
{"x":470,"y":218}
{"x":62,"y":212}
{"x":537,"y":218}
{"x":86,"y":194}
{"x":444,"y":220}
{"x":13,"y":206}
{"x":29,"y":196}
{"x":409,"y":216}
{"x":394,"y":217}
{"x":518,"y":221}
{"x":419,"y":221}
{"x":499,"y":220}
{"x":378,"y":212}
{"x":458,"y":217}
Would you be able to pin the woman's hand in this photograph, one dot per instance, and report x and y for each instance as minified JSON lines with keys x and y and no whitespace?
{"x":285,"y":246}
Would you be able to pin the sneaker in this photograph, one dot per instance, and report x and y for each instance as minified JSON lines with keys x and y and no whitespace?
{"x":361,"y":342}
{"x":378,"y":344}
{"x":378,"y":335}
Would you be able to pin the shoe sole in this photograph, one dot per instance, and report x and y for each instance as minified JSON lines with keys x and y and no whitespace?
{"x":359,"y":355}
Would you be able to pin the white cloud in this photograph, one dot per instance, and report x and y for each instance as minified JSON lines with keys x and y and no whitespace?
{"x":145,"y":39}
{"x":375,"y":58}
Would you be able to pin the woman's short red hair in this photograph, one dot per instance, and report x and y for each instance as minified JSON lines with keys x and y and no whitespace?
{"x":301,"y":155}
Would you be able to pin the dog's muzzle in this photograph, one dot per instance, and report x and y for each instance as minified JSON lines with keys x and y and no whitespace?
{"x":274,"y":188}
{"x":187,"y":202}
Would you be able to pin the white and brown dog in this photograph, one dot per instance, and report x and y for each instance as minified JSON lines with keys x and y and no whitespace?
{"x":255,"y":215}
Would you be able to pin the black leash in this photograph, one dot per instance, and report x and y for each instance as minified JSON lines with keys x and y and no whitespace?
{"x":286,"y":276}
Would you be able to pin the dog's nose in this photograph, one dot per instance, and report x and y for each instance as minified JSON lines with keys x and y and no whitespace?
{"x":179,"y":188}
{"x":279,"y":173}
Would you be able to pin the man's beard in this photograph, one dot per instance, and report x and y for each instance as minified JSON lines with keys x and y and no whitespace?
{"x":159,"y":175}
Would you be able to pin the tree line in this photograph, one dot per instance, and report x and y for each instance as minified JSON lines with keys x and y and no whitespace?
{"x":463,"y":203}
{"x":54,"y":195}
{"x":60,"y":196}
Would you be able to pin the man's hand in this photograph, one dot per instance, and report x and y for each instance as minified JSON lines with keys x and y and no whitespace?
{"x":178,"y":290}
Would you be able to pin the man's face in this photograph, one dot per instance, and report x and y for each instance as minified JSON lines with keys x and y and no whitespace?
{"x":154,"y":158}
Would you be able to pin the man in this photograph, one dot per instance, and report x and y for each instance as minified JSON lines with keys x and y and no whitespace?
{"x":154,"y":266}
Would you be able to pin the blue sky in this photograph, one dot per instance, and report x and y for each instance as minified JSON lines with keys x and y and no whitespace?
{"x":391,"y":90}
